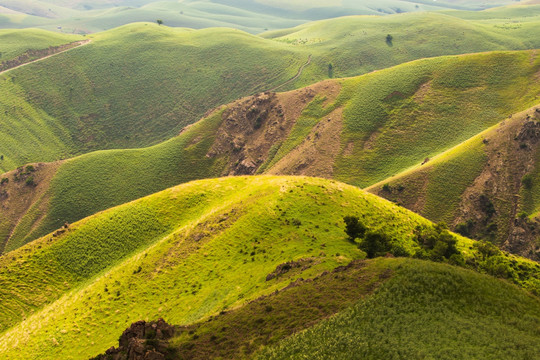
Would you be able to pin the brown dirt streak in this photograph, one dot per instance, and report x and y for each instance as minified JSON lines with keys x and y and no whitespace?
{"x":22,"y":197}
{"x":317,"y":153}
{"x":298,"y":74}
{"x":81,"y":43}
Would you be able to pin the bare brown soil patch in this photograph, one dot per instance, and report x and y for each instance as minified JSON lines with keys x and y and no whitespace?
{"x":33,"y":55}
{"x":317,"y":153}
{"x":25,"y":188}
{"x":252,"y":125}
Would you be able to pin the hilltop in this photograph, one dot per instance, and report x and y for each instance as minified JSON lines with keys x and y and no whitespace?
{"x":207,"y":247}
{"x":360,"y":131}
{"x":192,"y":251}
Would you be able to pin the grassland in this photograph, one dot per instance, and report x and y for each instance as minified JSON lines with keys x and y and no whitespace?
{"x":85,"y":100}
{"x":480,"y":185}
{"x":117,"y":92}
{"x":425,"y":310}
{"x":183,"y":253}
{"x":251,"y":16}
{"x":190,"y":252}
{"x":392,"y":120}
{"x":17,"y":42}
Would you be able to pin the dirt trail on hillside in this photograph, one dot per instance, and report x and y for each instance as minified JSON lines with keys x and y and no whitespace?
{"x":298,"y":74}
{"x":81,"y":43}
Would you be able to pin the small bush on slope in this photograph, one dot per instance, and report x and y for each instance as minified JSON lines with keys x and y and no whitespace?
{"x":427,"y":310}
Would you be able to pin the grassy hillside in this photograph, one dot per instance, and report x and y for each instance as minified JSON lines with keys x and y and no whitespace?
{"x":183,"y":253}
{"x":93,"y":97}
{"x":16,"y":42}
{"x":195,"y":250}
{"x":249,"y":15}
{"x":85,"y":100}
{"x":415,"y":300}
{"x":364,"y":129}
{"x":485,"y":187}
{"x":425,"y":310}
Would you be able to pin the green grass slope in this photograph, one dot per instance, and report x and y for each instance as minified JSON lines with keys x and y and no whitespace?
{"x":131,"y":87}
{"x":408,"y":316}
{"x":16,"y":42}
{"x":86,"y":101}
{"x":249,"y":15}
{"x":486,"y":187}
{"x":198,"y":249}
{"x":425,"y":310}
{"x":185,"y":253}
{"x":390,"y":121}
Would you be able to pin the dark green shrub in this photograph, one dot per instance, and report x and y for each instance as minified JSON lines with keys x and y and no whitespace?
{"x":4,"y":181}
{"x":354,"y":228}
{"x":465,"y":228}
{"x":486,"y":249}
{"x":375,"y":244}
{"x":498,"y":266}
{"x":438,"y":243}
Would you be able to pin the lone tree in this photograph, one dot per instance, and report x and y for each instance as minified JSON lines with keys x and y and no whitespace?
{"x":354,"y":228}
{"x":159,"y":21}
{"x":389,"y":39}
{"x":330,"y":70}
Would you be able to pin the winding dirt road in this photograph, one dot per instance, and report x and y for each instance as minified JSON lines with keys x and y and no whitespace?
{"x":298,"y":74}
{"x":81,"y":43}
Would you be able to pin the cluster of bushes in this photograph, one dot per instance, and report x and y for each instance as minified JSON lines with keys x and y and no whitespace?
{"x":373,"y":243}
{"x":437,"y":243}
{"x":26,"y":175}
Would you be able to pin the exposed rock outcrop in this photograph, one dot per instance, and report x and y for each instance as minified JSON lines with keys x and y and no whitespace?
{"x":142,"y":341}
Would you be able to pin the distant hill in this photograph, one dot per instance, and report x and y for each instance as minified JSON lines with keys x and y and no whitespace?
{"x":92,"y":98}
{"x":253,"y":16}
{"x":209,"y":246}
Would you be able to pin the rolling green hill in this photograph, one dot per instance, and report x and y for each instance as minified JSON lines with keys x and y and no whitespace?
{"x":94,"y":98}
{"x":360,"y":130}
{"x":253,"y":16}
{"x":486,"y":187}
{"x":117,"y":92}
{"x":407,"y":316}
{"x":425,"y":310}
{"x":190,"y":252}
{"x":15,"y":43}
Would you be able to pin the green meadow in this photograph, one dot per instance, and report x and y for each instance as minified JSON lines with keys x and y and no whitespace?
{"x":183,"y":253}
{"x":135,"y":86}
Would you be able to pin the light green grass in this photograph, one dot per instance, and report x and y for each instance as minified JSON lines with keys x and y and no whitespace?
{"x":105,"y":101}
{"x":16,"y":42}
{"x":390,"y":127}
{"x":183,"y":254}
{"x":194,"y":244}
{"x":131,"y":87}
{"x":252,"y":16}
